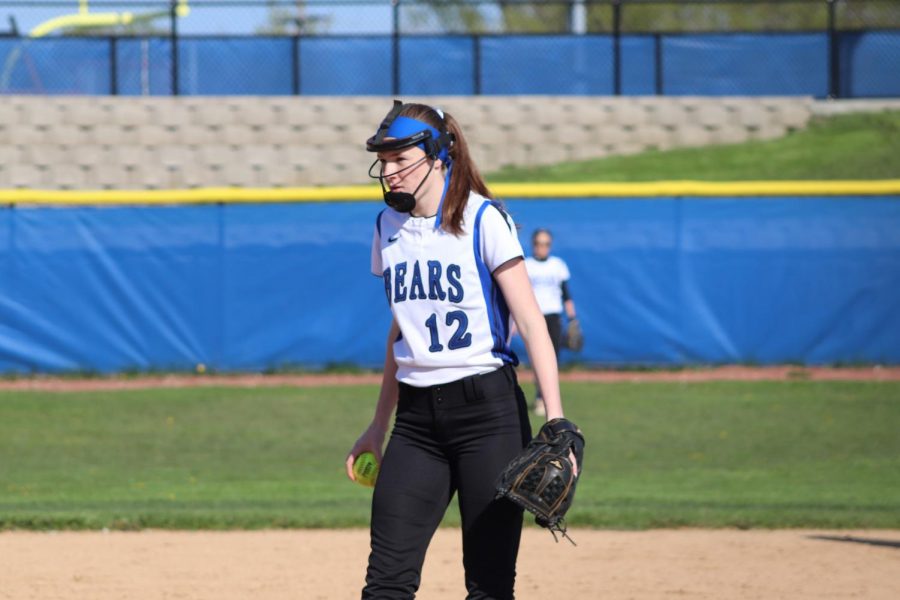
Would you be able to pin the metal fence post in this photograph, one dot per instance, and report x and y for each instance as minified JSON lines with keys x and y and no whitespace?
{"x":173,"y":37}
{"x":658,"y":80}
{"x":476,"y":64}
{"x":113,"y":66}
{"x":617,"y":47}
{"x":834,"y":57}
{"x":395,"y":48}
{"x":295,"y":64}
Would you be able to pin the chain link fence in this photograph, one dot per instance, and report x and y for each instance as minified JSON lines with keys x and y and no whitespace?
{"x":822,"y":48}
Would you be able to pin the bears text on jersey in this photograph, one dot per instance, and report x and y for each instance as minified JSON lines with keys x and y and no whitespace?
{"x":433,"y":282}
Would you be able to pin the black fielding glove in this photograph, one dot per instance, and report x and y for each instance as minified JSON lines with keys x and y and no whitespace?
{"x":542,"y":479}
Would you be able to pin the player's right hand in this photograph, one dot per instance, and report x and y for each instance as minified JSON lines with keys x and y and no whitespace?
{"x":372,"y":440}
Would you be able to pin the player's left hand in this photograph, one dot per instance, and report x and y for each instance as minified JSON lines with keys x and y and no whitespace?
{"x":574,"y":338}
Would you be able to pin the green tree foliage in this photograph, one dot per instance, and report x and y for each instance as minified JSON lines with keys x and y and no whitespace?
{"x":554,"y":16}
{"x":752,"y":15}
{"x":535,"y":17}
{"x":725,"y":16}
{"x":503,"y":16}
{"x":445,"y":16}
{"x":289,"y":18}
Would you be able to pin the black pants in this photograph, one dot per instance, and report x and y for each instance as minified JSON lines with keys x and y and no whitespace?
{"x":554,"y":327}
{"x":455,"y":437}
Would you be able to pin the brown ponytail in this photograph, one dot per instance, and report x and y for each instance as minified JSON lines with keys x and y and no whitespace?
{"x":464,"y":177}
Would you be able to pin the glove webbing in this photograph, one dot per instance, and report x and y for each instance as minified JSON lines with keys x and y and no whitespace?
{"x":559,"y":527}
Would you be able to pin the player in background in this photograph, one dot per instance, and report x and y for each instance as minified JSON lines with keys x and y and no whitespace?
{"x":549,"y":277}
{"x":453,"y":273}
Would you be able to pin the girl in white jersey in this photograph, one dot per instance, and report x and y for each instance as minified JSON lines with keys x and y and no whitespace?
{"x":453,"y":274}
{"x":549,"y":277}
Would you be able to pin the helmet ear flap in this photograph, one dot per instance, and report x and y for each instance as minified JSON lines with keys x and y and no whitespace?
{"x":431,"y":150}
{"x":434,"y":148}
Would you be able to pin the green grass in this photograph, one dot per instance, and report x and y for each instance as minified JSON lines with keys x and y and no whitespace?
{"x":788,"y":454}
{"x":854,"y":146}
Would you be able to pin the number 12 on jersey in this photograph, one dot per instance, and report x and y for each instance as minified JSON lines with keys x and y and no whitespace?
{"x":460,"y":338}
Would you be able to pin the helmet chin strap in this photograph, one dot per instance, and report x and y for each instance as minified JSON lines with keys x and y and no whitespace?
{"x":403,"y":201}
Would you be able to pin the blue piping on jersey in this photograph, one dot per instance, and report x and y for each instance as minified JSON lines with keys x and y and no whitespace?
{"x":440,"y":209}
{"x":499,"y":206}
{"x":378,"y":222}
{"x":497,"y":309}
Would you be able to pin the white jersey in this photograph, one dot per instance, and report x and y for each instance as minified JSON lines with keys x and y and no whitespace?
{"x":547,"y":277}
{"x":454,"y":321}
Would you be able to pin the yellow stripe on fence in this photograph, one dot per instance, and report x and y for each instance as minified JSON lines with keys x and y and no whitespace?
{"x":698,"y":188}
{"x":883,"y":187}
{"x":190,"y":196}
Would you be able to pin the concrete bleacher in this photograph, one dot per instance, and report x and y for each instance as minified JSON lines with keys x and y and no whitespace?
{"x":53,"y":142}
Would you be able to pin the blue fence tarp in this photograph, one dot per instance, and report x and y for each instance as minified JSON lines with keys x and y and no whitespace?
{"x":639,"y":68}
{"x":863,"y":57}
{"x":55,"y":66}
{"x":422,"y":73}
{"x":144,"y":67}
{"x":339,"y":66}
{"x":745,"y":64}
{"x":250,"y":287}
{"x":545,"y":64}
{"x":245,"y":64}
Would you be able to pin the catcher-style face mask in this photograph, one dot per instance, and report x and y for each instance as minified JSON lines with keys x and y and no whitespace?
{"x":399,"y":133}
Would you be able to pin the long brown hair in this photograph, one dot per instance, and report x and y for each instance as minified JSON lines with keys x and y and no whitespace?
{"x":464,"y":177}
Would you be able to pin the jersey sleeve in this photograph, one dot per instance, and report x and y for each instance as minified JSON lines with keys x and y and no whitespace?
{"x":564,"y":270}
{"x":377,"y":267}
{"x":499,"y":238}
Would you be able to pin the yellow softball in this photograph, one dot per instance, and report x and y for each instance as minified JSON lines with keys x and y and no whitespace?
{"x":365,"y":469}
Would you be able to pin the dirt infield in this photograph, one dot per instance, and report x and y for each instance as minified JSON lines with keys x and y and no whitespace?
{"x":327,"y":565}
{"x":725,"y":373}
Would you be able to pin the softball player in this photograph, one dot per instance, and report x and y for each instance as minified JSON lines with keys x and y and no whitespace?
{"x":549,"y":277}
{"x":453,"y":274}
